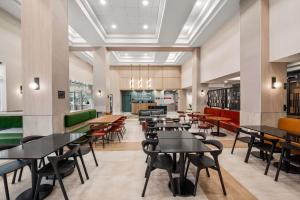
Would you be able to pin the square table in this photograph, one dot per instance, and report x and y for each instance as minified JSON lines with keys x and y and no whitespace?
{"x":267,"y":130}
{"x":174,"y":135}
{"x":183,"y":187}
{"x":38,"y":149}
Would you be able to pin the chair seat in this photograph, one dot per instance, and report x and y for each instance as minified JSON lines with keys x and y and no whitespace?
{"x":201,"y":161}
{"x":265,"y":147}
{"x":163,"y":161}
{"x":63,"y":167}
{"x":99,"y":134}
{"x":245,"y":139}
{"x":85,"y":150}
{"x":12,"y":166}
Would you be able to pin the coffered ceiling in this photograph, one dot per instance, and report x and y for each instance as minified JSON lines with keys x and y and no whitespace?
{"x":134,"y":23}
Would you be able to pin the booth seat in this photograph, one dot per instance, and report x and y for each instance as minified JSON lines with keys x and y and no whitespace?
{"x":231,"y":125}
{"x":290,"y":125}
{"x":7,"y":123}
{"x":79,"y":121}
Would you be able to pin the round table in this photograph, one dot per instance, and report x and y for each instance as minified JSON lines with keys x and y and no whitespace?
{"x":218,"y":119}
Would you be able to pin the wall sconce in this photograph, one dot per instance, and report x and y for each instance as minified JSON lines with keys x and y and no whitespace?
{"x":202,"y":93}
{"x":275,"y":84}
{"x":99,"y":92}
{"x":21,"y":89}
{"x":35,"y":85}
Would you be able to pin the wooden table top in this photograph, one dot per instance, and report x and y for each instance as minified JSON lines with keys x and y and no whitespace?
{"x":105,"y":119}
{"x":216,"y":118}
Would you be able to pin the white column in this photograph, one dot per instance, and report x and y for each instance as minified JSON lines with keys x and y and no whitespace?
{"x":260,"y":104}
{"x":45,"y":54}
{"x":101,"y":78}
{"x":196,"y":106}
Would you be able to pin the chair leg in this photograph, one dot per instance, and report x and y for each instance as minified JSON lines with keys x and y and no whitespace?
{"x":207,"y":172}
{"x":269,"y":160}
{"x":196,"y":181}
{"x":36,"y":194}
{"x":94,"y":156}
{"x":62,"y":187}
{"x":20,"y":174}
{"x":187,"y":168}
{"x":54,"y":178}
{"x":78,"y":169}
{"x":172,"y":182}
{"x":6,"y":186}
{"x":221,"y":180}
{"x":236,"y":137}
{"x":249,"y":151}
{"x":84,"y":167}
{"x":14,"y":177}
{"x":279,"y":165}
{"x":146,"y":172}
{"x":146,"y":182}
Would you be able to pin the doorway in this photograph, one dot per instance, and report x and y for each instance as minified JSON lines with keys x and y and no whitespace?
{"x":126,"y":101}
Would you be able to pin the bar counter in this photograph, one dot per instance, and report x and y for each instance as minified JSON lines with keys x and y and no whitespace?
{"x":136,"y":107}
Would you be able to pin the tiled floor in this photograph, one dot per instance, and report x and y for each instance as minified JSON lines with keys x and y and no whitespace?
{"x":120,"y":176}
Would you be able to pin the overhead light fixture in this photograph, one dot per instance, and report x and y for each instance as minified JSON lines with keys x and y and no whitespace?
{"x":275,"y":84}
{"x":225,"y":81}
{"x":35,"y":85}
{"x":103,"y":2}
{"x":145,"y":26}
{"x":114,"y":26}
{"x":145,"y":2}
{"x":198,"y":3}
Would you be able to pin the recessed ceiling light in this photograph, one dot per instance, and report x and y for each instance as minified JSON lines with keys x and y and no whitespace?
{"x":103,"y":2}
{"x":145,"y":26}
{"x":198,"y":3}
{"x":226,"y":81}
{"x":145,"y":3}
{"x":113,"y":26}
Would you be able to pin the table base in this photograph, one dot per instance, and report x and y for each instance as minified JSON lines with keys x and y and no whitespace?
{"x":187,"y":189}
{"x":45,"y":190}
{"x":218,"y":134}
{"x":292,"y":169}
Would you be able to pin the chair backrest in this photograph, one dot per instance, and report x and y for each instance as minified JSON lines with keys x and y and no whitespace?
{"x":149,"y":147}
{"x":217,"y":144}
{"x":70,"y":153}
{"x":30,"y":138}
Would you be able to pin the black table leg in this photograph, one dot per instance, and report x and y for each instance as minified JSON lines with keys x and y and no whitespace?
{"x":45,"y":189}
{"x":218,"y":133}
{"x":183,"y":187}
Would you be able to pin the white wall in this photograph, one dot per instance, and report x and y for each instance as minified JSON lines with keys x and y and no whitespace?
{"x":186,"y":74}
{"x":284,"y":30}
{"x":80,"y":70}
{"x":220,"y":55}
{"x":10,"y":55}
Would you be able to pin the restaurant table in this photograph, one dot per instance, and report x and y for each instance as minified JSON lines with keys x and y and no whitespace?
{"x":218,"y":119}
{"x":183,"y":187}
{"x":106,"y":119}
{"x":38,"y":149}
{"x":168,"y":125}
{"x":263,"y":129}
{"x":174,"y":135}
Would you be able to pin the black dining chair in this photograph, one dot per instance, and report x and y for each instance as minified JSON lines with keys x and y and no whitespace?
{"x":42,"y":161}
{"x":156,"y":161}
{"x":266,"y":145}
{"x":86,"y":146}
{"x":10,"y":167}
{"x":243,"y":136}
{"x":202,"y":161}
{"x":57,"y":166}
{"x":288,"y":156}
